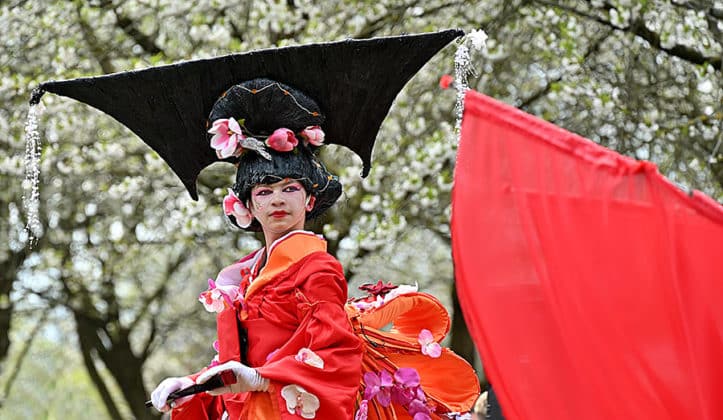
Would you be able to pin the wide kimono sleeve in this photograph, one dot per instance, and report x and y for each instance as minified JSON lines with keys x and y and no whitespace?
{"x":322,"y":358}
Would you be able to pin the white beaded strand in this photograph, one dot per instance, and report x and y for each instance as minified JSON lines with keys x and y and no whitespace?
{"x":463,"y":69}
{"x":31,"y":183}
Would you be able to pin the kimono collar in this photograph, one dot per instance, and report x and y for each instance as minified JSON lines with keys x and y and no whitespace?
{"x":231,"y":275}
{"x":286,"y":251}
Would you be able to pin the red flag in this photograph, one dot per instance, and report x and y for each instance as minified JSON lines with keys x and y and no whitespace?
{"x":592,"y":286}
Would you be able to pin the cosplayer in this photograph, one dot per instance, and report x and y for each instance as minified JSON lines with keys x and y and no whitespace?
{"x":290,"y":345}
{"x":283,"y":329}
{"x":287,"y":298}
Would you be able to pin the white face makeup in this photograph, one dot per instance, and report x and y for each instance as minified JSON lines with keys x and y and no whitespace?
{"x":280,"y":207}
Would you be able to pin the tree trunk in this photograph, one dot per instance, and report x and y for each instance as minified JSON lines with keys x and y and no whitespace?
{"x":8,"y":270}
{"x":6,"y":315}
{"x":122,"y":364}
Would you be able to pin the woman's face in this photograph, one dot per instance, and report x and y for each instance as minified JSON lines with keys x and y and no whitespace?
{"x":280,"y":207}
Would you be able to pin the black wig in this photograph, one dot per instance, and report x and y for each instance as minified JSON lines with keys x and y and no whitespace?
{"x":262,"y":106}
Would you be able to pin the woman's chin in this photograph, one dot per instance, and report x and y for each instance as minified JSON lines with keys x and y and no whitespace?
{"x":281,"y":227}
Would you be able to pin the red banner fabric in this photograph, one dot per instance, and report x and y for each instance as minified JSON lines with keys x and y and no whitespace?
{"x":592,"y":286}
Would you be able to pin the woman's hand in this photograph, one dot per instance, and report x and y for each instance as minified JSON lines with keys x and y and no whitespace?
{"x":168,"y":385}
{"x":247,"y":379}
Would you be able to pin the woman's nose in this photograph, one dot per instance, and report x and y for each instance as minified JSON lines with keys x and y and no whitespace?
{"x":277,"y":197}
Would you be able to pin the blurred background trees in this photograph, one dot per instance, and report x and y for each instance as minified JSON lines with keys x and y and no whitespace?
{"x":103,"y":306}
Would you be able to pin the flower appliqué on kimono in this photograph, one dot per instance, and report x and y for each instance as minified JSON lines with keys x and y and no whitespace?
{"x":272,"y":354}
{"x":403,"y":388}
{"x":379,"y":387}
{"x":218,"y":298}
{"x":363,"y":412}
{"x":429,"y":347}
{"x":306,"y":355}
{"x":215,"y":361}
{"x":299,"y":401}
{"x":459,"y":416}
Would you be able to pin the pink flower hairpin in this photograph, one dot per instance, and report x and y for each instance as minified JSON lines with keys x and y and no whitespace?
{"x":282,"y":140}
{"x":229,"y":139}
{"x":232,"y":206}
{"x":313,"y":135}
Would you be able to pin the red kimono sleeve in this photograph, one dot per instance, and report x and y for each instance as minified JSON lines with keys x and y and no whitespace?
{"x":325,"y":332}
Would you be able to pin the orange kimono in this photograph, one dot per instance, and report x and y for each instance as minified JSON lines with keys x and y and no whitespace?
{"x":290,"y":317}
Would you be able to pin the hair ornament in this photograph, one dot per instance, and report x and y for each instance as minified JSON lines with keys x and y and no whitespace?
{"x":231,"y":138}
{"x":233,"y":206}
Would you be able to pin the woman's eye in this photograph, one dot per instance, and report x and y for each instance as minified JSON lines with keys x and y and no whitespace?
{"x":263,"y":192}
{"x":292,"y":188}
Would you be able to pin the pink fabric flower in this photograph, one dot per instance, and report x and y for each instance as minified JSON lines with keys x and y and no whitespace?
{"x":419,"y":410}
{"x":214,"y":362}
{"x":368,"y":303}
{"x":226,"y":136}
{"x":272,"y":354}
{"x":406,"y":383}
{"x":460,"y":416}
{"x":429,"y":347}
{"x":282,"y":140}
{"x":363,"y":412}
{"x":306,"y":355}
{"x":378,"y":386}
{"x":232,"y":206}
{"x":300,"y":402}
{"x":402,"y":289}
{"x":408,"y":377}
{"x":218,"y":298}
{"x":313,"y":135}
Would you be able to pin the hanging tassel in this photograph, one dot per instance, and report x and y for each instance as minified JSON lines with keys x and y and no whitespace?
{"x":463,"y":69}
{"x":31,"y":182}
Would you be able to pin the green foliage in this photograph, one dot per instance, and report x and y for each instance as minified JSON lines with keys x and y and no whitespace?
{"x":125,"y":246}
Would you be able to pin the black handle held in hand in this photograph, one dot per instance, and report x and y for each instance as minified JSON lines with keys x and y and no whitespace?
{"x":222,"y":379}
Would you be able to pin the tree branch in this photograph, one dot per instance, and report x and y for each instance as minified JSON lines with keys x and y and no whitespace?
{"x":128,"y":26}
{"x":160,"y":292}
{"x":594,"y":47}
{"x":374,"y":26}
{"x":23,"y":354}
{"x":100,"y":53}
{"x":85,"y":332}
{"x":637,"y":27}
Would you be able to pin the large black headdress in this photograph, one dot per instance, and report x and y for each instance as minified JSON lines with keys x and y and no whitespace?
{"x":353,"y":82}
